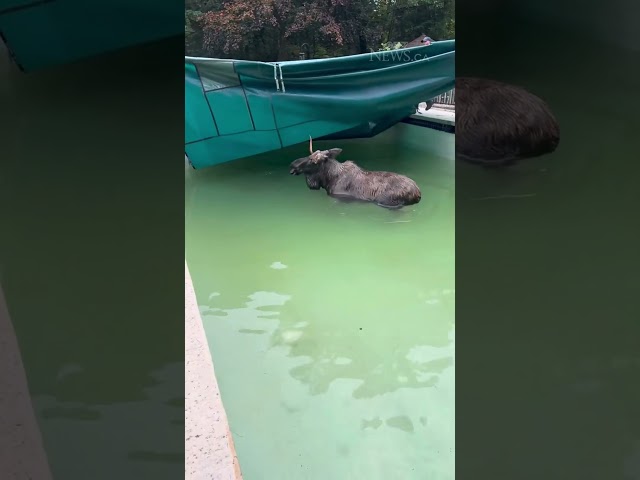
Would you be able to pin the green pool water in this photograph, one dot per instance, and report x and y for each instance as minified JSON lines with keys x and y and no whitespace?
{"x":331,"y":325}
{"x":547,"y":360}
{"x":80,"y":260}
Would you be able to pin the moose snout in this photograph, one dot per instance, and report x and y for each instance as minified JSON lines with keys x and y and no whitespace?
{"x":295,"y":166}
{"x":294,"y":170}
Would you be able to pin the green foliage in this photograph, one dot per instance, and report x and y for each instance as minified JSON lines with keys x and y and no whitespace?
{"x":450,"y":28}
{"x":270,"y":30}
{"x":193,"y":33}
{"x":390,"y":46}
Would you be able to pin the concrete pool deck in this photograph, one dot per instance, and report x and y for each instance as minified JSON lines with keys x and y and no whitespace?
{"x":209,"y":450}
{"x":22,"y":453}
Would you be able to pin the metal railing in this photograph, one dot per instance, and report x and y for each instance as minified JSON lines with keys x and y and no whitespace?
{"x":447,"y":98}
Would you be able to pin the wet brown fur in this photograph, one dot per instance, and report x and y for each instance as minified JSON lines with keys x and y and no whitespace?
{"x":498,"y":124}
{"x":347,"y":180}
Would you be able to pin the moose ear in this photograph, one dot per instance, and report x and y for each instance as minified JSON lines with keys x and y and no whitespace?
{"x":334,"y":152}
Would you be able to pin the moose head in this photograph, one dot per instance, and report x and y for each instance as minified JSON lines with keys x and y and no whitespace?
{"x":312,"y":163}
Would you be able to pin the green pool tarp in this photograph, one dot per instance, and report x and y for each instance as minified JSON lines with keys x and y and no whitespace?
{"x":237,"y":108}
{"x":46,"y":33}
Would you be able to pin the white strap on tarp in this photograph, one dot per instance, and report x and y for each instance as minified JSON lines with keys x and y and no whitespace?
{"x":279,"y":80}
{"x":275,"y":76}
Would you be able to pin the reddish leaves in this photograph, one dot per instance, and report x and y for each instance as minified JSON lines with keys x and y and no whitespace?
{"x":228,"y":28}
{"x":275,"y":29}
{"x":239,"y":22}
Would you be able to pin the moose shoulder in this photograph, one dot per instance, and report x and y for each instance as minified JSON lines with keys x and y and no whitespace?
{"x":347,"y":180}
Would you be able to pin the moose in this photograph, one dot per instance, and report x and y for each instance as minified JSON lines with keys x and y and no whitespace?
{"x":347,"y":181}
{"x":498,"y":124}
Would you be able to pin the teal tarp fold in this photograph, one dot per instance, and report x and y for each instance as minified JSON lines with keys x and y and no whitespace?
{"x":237,"y":108}
{"x":47,"y":33}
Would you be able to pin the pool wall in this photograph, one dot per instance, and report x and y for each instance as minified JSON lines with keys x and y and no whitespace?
{"x":431,"y":140}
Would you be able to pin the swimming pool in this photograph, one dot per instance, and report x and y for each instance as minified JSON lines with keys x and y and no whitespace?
{"x":331,"y":325}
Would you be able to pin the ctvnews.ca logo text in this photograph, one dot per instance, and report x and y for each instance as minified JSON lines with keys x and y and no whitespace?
{"x":396,"y":56}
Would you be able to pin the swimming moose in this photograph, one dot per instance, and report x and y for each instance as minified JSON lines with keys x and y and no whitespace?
{"x":347,"y":180}
{"x":498,"y":124}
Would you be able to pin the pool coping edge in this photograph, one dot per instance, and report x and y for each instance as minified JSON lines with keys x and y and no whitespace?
{"x":22,"y":449}
{"x":209,"y":449}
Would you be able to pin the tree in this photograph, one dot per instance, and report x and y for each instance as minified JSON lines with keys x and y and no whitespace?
{"x":272,"y":30}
